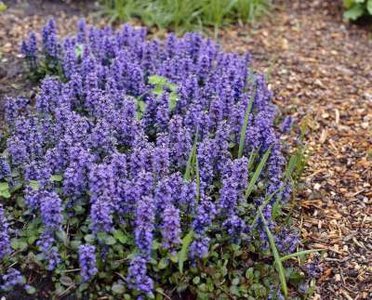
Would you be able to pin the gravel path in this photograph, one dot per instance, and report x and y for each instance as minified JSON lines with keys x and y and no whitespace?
{"x":320,"y":72}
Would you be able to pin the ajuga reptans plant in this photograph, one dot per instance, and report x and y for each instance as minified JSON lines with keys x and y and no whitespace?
{"x":140,"y":169}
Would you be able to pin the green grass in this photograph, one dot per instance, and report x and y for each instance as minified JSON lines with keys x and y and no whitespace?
{"x":181,"y":15}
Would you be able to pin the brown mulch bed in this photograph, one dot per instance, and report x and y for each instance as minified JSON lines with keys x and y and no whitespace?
{"x":21,"y":17}
{"x":321,"y":73}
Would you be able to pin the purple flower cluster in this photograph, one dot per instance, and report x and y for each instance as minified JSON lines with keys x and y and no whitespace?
{"x":122,"y":145}
{"x":4,"y":235}
{"x":50,"y":207}
{"x":28,"y":49}
{"x":287,"y":241}
{"x":137,"y":275}
{"x":314,"y":268}
{"x":5,"y":171}
{"x":50,"y":39}
{"x":234,"y":181}
{"x":87,"y":261}
{"x":10,"y":279}
{"x":287,"y":124}
{"x":171,"y":227}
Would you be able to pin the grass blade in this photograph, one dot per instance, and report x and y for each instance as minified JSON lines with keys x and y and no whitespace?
{"x":187,"y":175}
{"x":299,"y":253}
{"x":243,"y":131}
{"x":262,"y":206}
{"x":291,"y":165}
{"x":257,"y":173}
{"x":197,"y":177}
{"x":182,"y":255}
{"x":276,"y":255}
{"x":252,"y":158}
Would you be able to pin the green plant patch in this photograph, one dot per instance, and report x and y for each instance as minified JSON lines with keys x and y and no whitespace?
{"x":146,"y":169}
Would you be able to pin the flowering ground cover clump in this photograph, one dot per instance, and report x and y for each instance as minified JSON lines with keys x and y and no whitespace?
{"x":144,"y":168}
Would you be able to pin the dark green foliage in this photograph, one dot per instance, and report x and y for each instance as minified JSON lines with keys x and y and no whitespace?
{"x":180,"y":15}
{"x":356,"y":9}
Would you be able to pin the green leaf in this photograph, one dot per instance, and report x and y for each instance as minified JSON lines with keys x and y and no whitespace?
{"x":109,"y":240}
{"x":257,"y":173}
{"x":173,"y":258}
{"x":56,"y":178}
{"x":141,"y":108}
{"x":4,"y":186}
{"x":156,"y":245}
{"x":34,"y":185}
{"x":18,"y":244}
{"x":354,"y":12}
{"x":243,"y":131}
{"x":79,"y":50}
{"x":369,"y":6}
{"x":120,"y":236}
{"x":63,"y":237}
{"x":163,"y":263}
{"x":75,"y":244}
{"x":89,"y":238}
{"x":348,"y":3}
{"x":158,"y":90}
{"x":196,"y":280}
{"x":4,"y":190}
{"x":160,"y":84}
{"x":66,"y":281}
{"x":118,"y":288}
{"x":157,"y":80}
{"x":249,"y":273}
{"x":30,"y":289}
{"x":173,"y":98}
{"x":276,"y":255}
{"x":3,"y":7}
{"x":182,"y":255}
{"x":79,"y":209}
{"x":31,"y":239}
{"x":5,"y":194}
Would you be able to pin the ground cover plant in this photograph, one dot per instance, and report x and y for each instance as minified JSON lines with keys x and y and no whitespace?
{"x":186,"y":15}
{"x":145,"y":169}
{"x":356,"y":9}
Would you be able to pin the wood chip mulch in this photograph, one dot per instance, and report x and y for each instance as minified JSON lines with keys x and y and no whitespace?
{"x":320,"y":71}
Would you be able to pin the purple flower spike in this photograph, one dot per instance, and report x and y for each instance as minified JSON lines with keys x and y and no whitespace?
{"x":87,"y":262}
{"x":171,"y":227}
{"x":137,"y":276}
{"x":11,"y":279}
{"x":145,"y":217}
{"x":50,"y":252}
{"x":5,"y":248}
{"x":286,"y":125}
{"x":199,"y":248}
{"x":51,"y":210}
{"x":49,"y":36}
